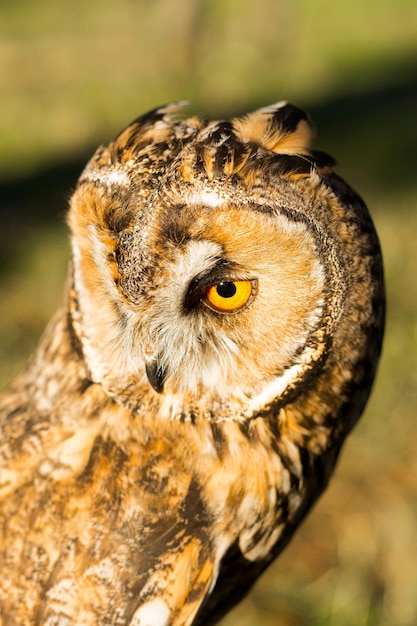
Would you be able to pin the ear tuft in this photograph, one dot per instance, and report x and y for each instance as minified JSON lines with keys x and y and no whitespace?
{"x":153,"y":127}
{"x":282,"y":128}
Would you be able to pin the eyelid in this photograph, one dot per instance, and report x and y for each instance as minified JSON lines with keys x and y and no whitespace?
{"x":217,"y":274}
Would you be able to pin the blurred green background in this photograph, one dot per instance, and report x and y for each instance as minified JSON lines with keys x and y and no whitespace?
{"x":73,"y":74}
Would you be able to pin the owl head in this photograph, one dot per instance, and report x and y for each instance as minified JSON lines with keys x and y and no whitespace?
{"x":221,"y":269}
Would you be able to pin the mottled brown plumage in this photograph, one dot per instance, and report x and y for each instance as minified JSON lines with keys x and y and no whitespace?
{"x":187,"y":404}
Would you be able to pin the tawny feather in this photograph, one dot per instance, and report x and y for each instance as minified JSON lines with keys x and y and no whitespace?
{"x":159,"y":451}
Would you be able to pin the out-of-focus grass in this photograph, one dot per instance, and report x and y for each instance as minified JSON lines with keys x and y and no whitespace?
{"x":71,"y":75}
{"x":30,"y":289}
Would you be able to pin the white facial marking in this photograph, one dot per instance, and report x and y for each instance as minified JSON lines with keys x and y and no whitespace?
{"x":153,"y":613}
{"x":274,"y":389}
{"x":198,"y":256}
{"x":207,"y":197}
{"x":100,"y":252}
{"x":108,"y":177}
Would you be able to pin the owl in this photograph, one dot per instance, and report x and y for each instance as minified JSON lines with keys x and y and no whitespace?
{"x":186,"y":406}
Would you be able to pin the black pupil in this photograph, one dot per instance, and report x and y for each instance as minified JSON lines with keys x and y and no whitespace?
{"x":226,"y":290}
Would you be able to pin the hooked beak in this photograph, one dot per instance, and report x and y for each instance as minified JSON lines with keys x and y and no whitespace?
{"x":156,"y":374}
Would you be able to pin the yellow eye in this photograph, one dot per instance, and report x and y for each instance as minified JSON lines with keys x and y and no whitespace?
{"x":229,"y":297}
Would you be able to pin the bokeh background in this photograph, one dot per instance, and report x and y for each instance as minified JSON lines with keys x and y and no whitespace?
{"x":73,"y":73}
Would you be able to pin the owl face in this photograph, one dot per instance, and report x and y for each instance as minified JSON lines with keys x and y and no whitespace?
{"x":206,"y":260}
{"x":215,"y":294}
